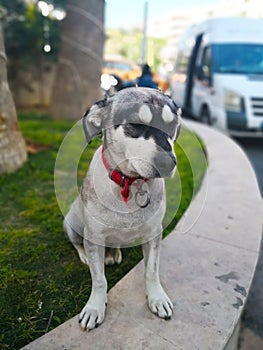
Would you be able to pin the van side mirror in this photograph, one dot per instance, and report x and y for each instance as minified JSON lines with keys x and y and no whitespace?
{"x":203,"y":74}
{"x":200,"y":72}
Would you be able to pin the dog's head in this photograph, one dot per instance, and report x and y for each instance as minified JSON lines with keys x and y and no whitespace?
{"x":140,"y":126}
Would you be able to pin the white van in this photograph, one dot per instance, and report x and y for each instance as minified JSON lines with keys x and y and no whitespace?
{"x":218,"y":75}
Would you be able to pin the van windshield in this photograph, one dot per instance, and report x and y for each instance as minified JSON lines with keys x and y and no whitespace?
{"x":238,"y":58}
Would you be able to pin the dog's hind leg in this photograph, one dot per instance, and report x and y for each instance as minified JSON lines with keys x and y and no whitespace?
{"x":76,"y":238}
{"x":112,"y":256}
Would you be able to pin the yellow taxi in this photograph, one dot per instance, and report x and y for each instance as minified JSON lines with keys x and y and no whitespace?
{"x":121,"y":68}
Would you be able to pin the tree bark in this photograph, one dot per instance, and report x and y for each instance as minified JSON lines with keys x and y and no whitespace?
{"x":77,"y":81}
{"x":12,"y":146}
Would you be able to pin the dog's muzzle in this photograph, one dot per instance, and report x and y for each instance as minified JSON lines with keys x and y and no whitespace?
{"x":165,"y":164}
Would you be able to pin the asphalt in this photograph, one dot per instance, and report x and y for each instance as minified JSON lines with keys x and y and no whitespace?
{"x":251,"y":334}
{"x":253,"y":148}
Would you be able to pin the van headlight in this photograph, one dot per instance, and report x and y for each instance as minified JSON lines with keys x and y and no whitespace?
{"x":233,"y":101}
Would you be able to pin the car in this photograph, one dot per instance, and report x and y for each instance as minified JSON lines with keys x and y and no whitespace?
{"x":121,"y":68}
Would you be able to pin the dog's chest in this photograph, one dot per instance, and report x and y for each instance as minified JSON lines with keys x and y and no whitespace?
{"x":109,"y":219}
{"x":104,"y":202}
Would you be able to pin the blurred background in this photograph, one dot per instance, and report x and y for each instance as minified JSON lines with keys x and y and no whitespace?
{"x":111,"y":36}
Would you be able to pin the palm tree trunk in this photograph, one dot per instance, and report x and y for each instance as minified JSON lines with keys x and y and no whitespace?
{"x":12,"y":146}
{"x":77,"y":81}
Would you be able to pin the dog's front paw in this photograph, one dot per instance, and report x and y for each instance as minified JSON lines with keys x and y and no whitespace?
{"x":92,"y":315}
{"x":160,"y":304}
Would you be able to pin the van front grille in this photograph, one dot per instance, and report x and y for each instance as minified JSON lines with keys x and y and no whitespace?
{"x":257,"y":106}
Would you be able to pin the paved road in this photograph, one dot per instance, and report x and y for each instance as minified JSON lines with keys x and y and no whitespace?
{"x":252,"y":321}
{"x":254,"y":151}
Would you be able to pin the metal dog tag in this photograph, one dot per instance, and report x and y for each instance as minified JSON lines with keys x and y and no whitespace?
{"x":142,"y":197}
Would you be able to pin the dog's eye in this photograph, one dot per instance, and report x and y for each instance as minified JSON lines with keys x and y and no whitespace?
{"x":134,"y":130}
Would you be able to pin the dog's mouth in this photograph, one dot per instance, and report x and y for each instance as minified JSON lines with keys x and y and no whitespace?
{"x":143,"y":169}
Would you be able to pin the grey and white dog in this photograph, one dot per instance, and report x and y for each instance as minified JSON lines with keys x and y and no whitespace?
{"x":122,"y":200}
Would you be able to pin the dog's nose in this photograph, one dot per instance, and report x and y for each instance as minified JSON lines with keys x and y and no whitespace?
{"x":165,"y":163}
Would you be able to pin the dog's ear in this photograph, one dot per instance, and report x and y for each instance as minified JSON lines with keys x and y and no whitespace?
{"x":178,"y":128}
{"x":92,"y":120}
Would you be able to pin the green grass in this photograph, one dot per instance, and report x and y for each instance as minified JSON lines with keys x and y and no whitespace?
{"x":42,"y":281}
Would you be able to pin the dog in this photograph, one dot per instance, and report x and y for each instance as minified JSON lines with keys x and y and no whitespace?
{"x":122,"y":198}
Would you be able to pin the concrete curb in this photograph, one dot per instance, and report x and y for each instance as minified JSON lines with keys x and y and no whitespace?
{"x":207,"y":266}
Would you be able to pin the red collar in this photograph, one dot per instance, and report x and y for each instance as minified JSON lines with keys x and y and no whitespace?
{"x":123,"y":181}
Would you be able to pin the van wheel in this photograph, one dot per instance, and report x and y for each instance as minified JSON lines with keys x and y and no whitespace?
{"x":205,"y":116}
